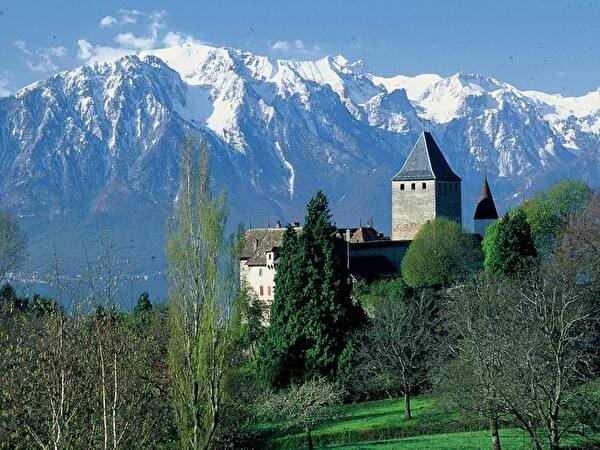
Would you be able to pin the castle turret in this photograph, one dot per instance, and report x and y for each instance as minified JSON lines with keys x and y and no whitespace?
{"x":423,"y":189}
{"x":485,"y":212}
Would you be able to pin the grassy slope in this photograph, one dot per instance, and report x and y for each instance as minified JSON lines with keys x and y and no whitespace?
{"x":467,"y":440}
{"x":382,"y":420}
{"x":381,"y":425}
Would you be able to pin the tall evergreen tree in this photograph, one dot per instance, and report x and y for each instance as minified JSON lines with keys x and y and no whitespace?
{"x":508,"y":245}
{"x":312,"y":313}
{"x":143,"y":303}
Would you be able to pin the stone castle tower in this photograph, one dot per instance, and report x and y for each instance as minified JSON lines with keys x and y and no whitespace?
{"x":423,"y":189}
{"x":485,"y":211}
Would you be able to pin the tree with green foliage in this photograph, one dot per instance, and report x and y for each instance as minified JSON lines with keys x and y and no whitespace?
{"x":143,"y":304}
{"x":312,"y":313}
{"x":10,"y":302}
{"x":253,"y":319}
{"x":508,"y":245}
{"x":205,"y":315}
{"x":441,"y":253}
{"x":370,"y":295}
{"x":551,"y":210}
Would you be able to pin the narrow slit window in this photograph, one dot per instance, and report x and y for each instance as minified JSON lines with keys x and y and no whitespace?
{"x":424,"y":185}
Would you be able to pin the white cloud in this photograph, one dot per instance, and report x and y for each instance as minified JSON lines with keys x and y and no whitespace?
{"x":129,"y":43}
{"x":129,"y":40}
{"x":5,"y":91}
{"x":41,"y":59}
{"x":85,"y":49}
{"x":59,"y":52}
{"x":175,"y":38}
{"x":43,"y":64}
{"x":288,"y":46}
{"x":22,"y":45}
{"x":108,"y":21}
{"x":90,"y":53}
{"x":156,"y":22}
{"x":129,"y":16}
{"x":296,"y":46}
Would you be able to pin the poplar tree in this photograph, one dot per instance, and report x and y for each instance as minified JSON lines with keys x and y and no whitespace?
{"x":312,"y":313}
{"x":203,"y":306}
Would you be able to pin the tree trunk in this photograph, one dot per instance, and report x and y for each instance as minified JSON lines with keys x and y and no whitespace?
{"x":309,"y":441}
{"x":494,"y":433}
{"x":554,"y":435}
{"x":407,"y":413}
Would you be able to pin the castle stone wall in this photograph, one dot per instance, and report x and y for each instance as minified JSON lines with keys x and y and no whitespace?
{"x":448,"y":200}
{"x":411,"y":208}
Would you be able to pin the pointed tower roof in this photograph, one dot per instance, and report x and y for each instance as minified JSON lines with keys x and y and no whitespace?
{"x":486,"y":208}
{"x":426,"y":162}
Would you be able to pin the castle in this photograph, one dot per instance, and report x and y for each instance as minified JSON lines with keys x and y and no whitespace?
{"x":424,"y":188}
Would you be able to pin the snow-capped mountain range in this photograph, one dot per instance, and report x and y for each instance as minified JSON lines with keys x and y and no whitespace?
{"x":98,"y":147}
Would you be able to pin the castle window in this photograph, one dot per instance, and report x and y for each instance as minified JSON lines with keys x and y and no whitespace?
{"x":261,"y":290}
{"x":412,"y":186}
{"x":402,"y":187}
{"x":260,"y":272}
{"x":424,"y":185}
{"x":269,"y":291}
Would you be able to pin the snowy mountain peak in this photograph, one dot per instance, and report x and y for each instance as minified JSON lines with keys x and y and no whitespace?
{"x":105,"y":138}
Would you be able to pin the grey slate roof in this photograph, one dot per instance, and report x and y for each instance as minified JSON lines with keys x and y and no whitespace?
{"x":360,"y":234}
{"x":486,"y":208}
{"x":426,"y":162}
{"x":258,"y":241}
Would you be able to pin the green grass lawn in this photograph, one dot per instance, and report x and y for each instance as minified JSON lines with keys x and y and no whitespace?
{"x":468,"y":440}
{"x":382,"y":421}
{"x":381,"y":425}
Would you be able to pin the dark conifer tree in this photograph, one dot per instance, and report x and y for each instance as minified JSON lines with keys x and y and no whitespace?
{"x":143,"y":303}
{"x":312,"y":315}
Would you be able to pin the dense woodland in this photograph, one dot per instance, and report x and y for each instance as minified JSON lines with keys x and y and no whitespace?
{"x":506,"y":330}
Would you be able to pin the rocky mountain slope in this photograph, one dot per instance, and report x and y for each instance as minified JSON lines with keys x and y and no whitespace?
{"x":95,"y":150}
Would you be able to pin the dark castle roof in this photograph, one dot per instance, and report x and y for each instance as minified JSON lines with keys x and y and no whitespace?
{"x":259,"y":241}
{"x":426,"y":162}
{"x":486,"y":209}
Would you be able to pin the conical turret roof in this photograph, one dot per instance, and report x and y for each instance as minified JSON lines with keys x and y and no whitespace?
{"x":426,"y":162}
{"x":486,"y":208}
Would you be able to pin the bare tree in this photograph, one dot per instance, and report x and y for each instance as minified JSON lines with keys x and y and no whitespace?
{"x":12,"y":245}
{"x":556,"y":325}
{"x":392,"y":350}
{"x":524,"y":347}
{"x":479,"y":328}
{"x":204,"y":314}
{"x":305,"y":406}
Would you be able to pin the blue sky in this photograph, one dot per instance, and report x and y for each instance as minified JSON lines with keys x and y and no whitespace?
{"x":552,"y":46}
